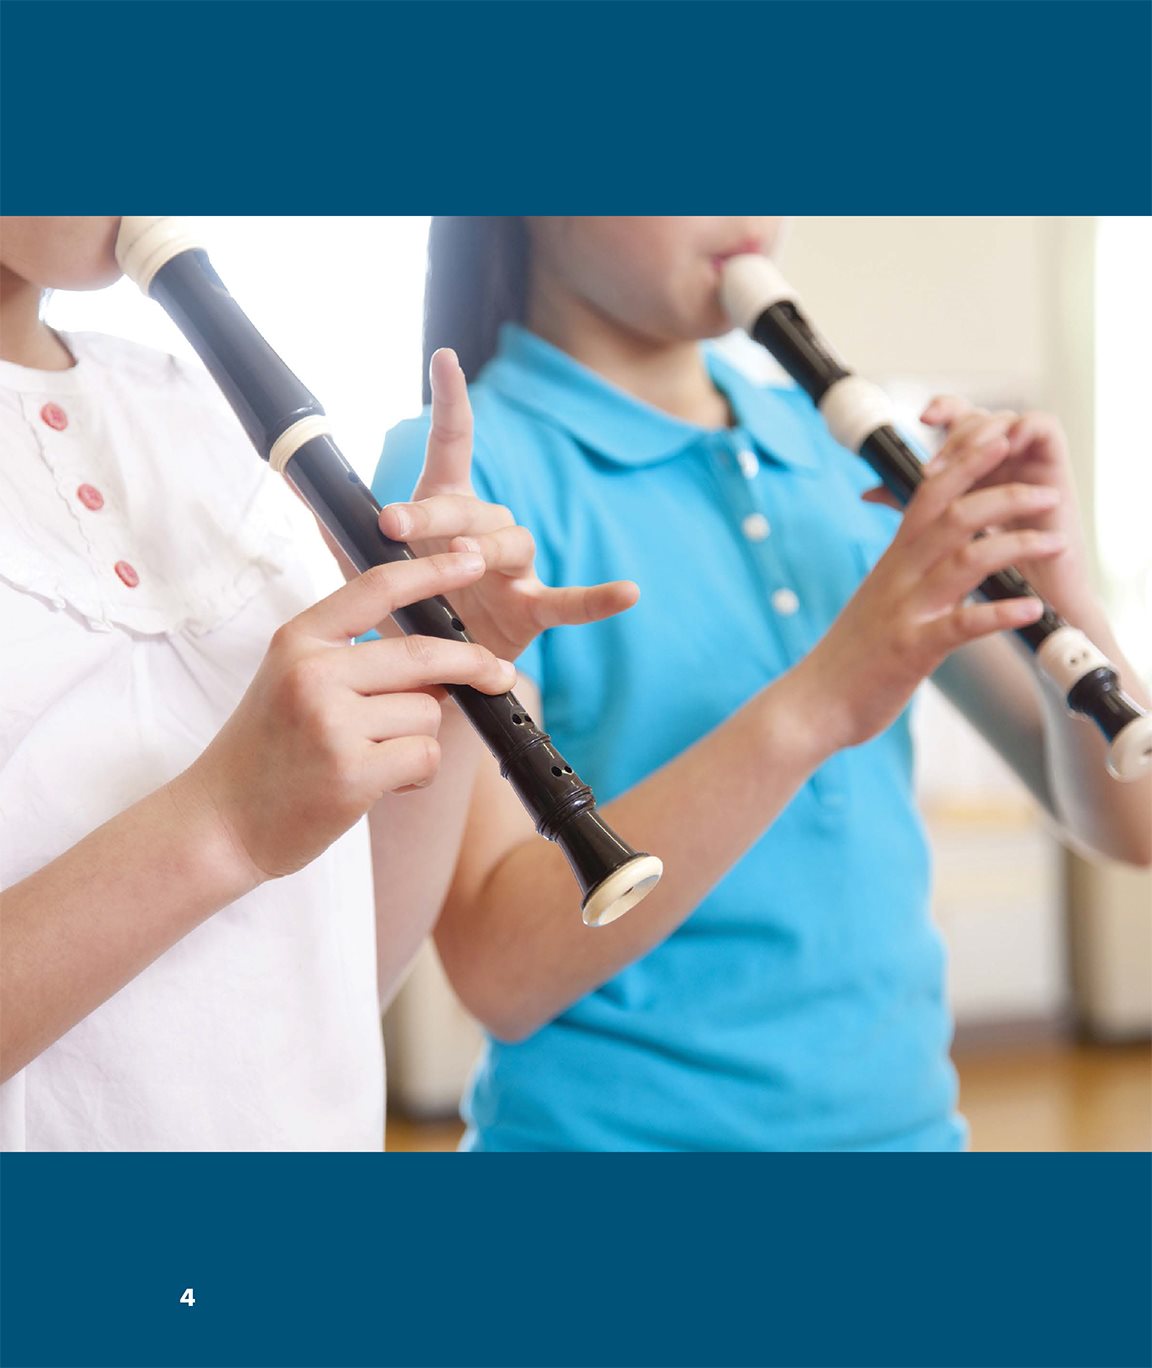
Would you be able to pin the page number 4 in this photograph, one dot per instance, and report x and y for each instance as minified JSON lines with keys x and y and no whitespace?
{"x":188,"y":1299}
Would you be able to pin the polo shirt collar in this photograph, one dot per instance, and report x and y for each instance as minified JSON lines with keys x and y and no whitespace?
{"x":537,"y":376}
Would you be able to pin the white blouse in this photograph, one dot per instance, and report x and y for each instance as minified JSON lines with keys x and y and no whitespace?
{"x":146,"y":557}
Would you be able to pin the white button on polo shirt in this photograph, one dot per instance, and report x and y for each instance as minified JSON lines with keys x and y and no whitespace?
{"x":785,"y":602}
{"x":756,"y":527}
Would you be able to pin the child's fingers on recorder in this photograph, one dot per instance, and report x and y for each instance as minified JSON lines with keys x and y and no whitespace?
{"x":408,"y":663}
{"x":969,"y":463}
{"x":404,"y":764}
{"x":986,"y":507}
{"x":371,"y":597}
{"x":1035,"y":428}
{"x":510,"y":551}
{"x":946,"y":410}
{"x":443,"y":516}
{"x":961,"y":421}
{"x":448,"y":455}
{"x":996,"y":506}
{"x":579,"y":604}
{"x":961,"y":571}
{"x":880,"y":494}
{"x":384,"y":717}
{"x":976,"y":432}
{"x":971,"y":620}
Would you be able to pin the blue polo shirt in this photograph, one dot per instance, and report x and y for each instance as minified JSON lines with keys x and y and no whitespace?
{"x":801,"y":1006}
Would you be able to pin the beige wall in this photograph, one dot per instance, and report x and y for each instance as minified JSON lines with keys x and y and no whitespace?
{"x":929,"y":296}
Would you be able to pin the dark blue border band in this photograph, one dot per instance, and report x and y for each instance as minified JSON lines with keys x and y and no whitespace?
{"x":854,"y":1262}
{"x":352,"y":107}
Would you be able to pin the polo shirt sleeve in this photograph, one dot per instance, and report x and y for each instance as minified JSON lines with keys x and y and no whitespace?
{"x":396,"y":475}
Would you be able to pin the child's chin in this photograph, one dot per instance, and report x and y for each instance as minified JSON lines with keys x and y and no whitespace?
{"x":94,"y":272}
{"x":715,"y":323}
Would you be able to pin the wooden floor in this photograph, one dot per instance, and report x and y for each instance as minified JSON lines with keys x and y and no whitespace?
{"x":1049,"y":1095}
{"x":1056,"y":1096}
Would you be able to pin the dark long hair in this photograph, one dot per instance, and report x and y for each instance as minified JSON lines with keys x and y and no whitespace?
{"x":477,"y":281}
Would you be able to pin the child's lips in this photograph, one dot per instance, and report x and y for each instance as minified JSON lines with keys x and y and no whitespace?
{"x":750,"y":246}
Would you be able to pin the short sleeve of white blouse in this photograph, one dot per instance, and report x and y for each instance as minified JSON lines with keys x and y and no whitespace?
{"x":146,"y":558}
